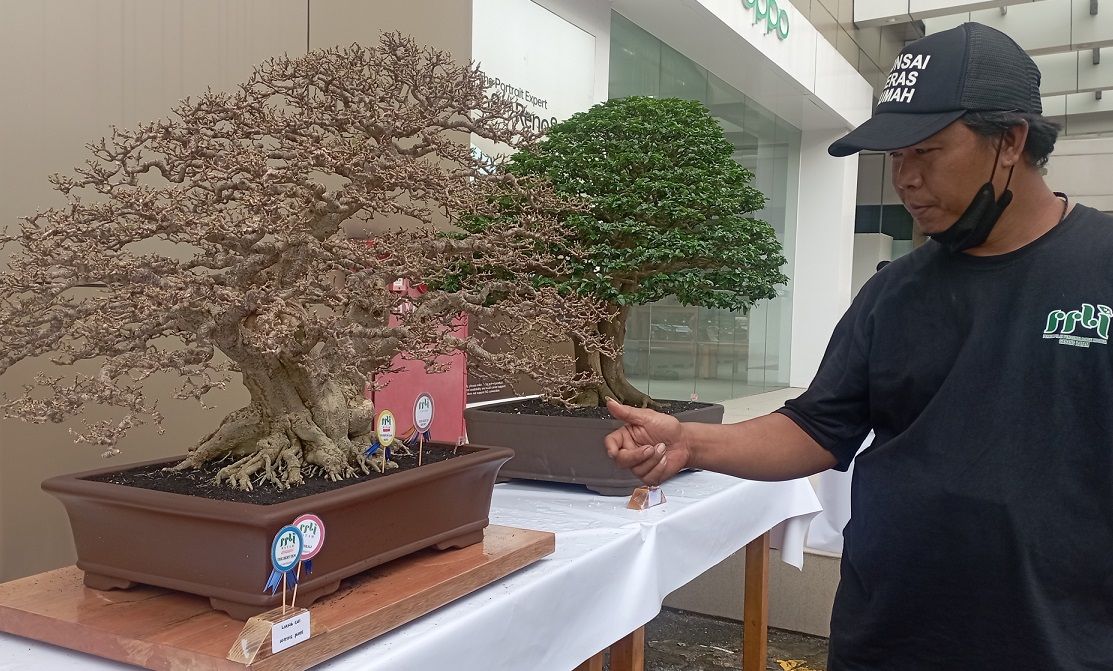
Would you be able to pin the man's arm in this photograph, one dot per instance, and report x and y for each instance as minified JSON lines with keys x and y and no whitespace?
{"x":771,"y":447}
{"x":655,"y":446}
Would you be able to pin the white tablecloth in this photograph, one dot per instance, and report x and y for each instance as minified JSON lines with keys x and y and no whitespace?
{"x":611,"y":570}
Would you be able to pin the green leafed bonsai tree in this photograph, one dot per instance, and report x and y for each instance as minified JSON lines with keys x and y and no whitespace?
{"x":211,"y":246}
{"x":667,"y":213}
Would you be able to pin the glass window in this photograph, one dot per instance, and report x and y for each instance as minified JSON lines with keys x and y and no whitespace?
{"x":635,"y":60}
{"x":672,"y":350}
{"x":680,"y":77}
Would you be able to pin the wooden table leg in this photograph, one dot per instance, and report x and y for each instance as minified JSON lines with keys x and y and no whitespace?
{"x":593,"y":664}
{"x":755,"y":610}
{"x":629,"y":653}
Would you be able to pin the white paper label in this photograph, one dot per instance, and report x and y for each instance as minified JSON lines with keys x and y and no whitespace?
{"x":289,"y":633}
{"x":656,"y":497}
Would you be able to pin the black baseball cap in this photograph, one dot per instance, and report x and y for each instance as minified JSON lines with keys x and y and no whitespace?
{"x":937,"y":79}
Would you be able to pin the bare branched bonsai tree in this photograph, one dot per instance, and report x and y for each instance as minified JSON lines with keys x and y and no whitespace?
{"x":213,"y":244}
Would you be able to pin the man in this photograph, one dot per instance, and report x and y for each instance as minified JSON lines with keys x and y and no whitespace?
{"x":981,"y":533}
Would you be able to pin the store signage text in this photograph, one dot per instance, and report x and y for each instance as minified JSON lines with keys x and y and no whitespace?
{"x":775,"y":18}
{"x":507,"y":90}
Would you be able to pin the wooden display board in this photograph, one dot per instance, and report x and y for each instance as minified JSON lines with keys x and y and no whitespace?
{"x":162,"y":629}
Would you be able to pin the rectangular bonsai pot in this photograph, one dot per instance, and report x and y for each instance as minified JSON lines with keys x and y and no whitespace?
{"x":221,"y":549}
{"x":563,"y":449}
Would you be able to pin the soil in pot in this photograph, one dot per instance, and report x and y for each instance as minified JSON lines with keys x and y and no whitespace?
{"x":201,"y":481}
{"x":536,"y":406}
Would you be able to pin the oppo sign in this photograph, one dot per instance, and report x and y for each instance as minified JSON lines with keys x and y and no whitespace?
{"x":775,"y":17}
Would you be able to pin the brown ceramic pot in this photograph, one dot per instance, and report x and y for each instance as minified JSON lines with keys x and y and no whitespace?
{"x":221,"y":550}
{"x":563,"y":449}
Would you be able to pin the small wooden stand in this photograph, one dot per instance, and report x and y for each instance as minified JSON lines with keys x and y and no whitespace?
{"x":163,"y":629}
{"x":645,"y":497}
{"x":257,"y":641}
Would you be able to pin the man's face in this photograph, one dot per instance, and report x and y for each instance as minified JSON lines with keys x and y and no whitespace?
{"x":937,"y":178}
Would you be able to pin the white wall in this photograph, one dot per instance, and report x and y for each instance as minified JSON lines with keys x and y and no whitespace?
{"x":824,"y":251}
{"x":869,"y":250}
{"x":594,"y":18}
{"x":69,"y":71}
{"x":1081,"y":169}
{"x":444,"y":24}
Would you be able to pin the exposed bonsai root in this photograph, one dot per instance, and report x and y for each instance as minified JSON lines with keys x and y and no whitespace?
{"x":282,"y":451}
{"x":598,"y":396}
{"x":321,"y":450}
{"x":238,"y":428}
{"x":240,"y":473}
{"x":390,"y":465}
{"x":591,"y":397}
{"x":624,"y":392}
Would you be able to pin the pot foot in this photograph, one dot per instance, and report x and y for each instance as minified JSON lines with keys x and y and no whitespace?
{"x":238,"y":611}
{"x":106,"y":582}
{"x":461,"y":541}
{"x":243,"y":611}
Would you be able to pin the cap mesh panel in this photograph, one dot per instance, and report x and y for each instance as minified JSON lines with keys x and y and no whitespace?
{"x":999,"y":75}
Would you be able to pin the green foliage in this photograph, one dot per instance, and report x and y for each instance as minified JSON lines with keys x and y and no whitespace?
{"x":667,"y":206}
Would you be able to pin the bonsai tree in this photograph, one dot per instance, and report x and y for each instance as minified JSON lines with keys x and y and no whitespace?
{"x":666,"y":213}
{"x":212,"y":245}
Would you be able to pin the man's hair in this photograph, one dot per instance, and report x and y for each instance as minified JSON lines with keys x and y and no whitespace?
{"x":1042,"y":132}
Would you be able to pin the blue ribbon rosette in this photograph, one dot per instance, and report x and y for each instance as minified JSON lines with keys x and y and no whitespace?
{"x":285,"y":554}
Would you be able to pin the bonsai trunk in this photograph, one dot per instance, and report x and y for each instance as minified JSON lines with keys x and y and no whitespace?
{"x":614,"y":383}
{"x":292,"y":425}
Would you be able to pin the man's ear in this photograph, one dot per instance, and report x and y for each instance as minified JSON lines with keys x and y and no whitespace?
{"x":1012,"y":144}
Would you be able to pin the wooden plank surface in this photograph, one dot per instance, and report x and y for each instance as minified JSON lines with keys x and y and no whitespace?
{"x":628,"y":654}
{"x":162,"y":629}
{"x":595,"y":663}
{"x":755,"y":609}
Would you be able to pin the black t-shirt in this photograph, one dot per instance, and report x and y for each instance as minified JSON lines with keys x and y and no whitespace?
{"x":981,"y":534}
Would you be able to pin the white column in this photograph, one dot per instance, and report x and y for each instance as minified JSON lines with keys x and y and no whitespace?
{"x":824,"y":250}
{"x":869,"y":250}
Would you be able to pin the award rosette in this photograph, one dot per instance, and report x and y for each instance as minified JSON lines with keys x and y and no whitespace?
{"x":423,"y":416}
{"x":384,"y":434}
{"x":286,"y":550}
{"x":313,"y":536}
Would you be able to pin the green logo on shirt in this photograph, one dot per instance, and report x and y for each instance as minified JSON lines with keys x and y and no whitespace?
{"x":1062,"y":325}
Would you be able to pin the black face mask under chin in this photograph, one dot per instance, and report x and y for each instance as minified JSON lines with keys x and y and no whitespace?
{"x":973,"y":227}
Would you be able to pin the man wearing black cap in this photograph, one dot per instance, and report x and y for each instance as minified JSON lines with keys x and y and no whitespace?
{"x":981,"y":533}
